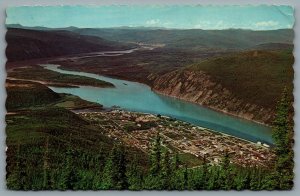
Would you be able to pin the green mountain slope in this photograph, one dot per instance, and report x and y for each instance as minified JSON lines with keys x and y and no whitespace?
{"x":255,"y":76}
{"x":246,"y":84}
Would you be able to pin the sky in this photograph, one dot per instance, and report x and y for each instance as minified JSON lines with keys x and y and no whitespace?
{"x":261,"y":17}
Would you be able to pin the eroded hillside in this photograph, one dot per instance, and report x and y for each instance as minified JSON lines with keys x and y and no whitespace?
{"x":246,"y":84}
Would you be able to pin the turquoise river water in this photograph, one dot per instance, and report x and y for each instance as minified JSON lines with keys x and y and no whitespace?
{"x":133,"y":96}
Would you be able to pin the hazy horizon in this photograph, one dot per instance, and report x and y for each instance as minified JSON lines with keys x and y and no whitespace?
{"x":144,"y":27}
{"x":255,"y":18}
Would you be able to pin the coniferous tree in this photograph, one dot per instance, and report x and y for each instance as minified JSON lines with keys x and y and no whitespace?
{"x":166,"y":170}
{"x":270,"y":181}
{"x":155,"y":156}
{"x":134,"y":175}
{"x":212,"y":182}
{"x":46,"y":171}
{"x":185,"y":178}
{"x":25,"y":183}
{"x":69,"y":176}
{"x":110,"y":172}
{"x":13,"y":179}
{"x":204,"y":173}
{"x":114,"y":174}
{"x":176,"y":180}
{"x":98,"y":167}
{"x":121,"y":168}
{"x":225,"y":173}
{"x":240,"y":178}
{"x":176,"y":161}
{"x":255,"y":179}
{"x":283,"y":138}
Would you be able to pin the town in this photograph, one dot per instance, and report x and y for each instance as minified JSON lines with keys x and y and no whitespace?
{"x":139,"y":130}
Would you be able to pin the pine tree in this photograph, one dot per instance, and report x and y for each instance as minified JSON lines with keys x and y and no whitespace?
{"x":13,"y":179}
{"x":255,"y":179}
{"x":202,"y":175}
{"x":109,"y":173}
{"x":281,"y":126}
{"x":283,"y":138}
{"x":24,"y":175}
{"x":98,"y":167}
{"x":166,"y":170}
{"x":270,"y":181}
{"x":153,"y":179}
{"x":240,"y":179}
{"x":114,"y":174}
{"x":185,"y":178}
{"x":155,"y":158}
{"x":204,"y":172}
{"x":212,"y":182}
{"x":176,"y":162}
{"x":69,"y":176}
{"x":46,"y":171}
{"x":225,"y":172}
{"x":134,"y":175}
{"x":121,"y":168}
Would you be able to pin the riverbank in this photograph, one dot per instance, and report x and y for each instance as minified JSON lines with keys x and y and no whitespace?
{"x":139,"y":97}
{"x":54,"y":80}
{"x":242,"y":115}
{"x":242,"y":90}
{"x":51,"y":78}
{"x":214,"y":108}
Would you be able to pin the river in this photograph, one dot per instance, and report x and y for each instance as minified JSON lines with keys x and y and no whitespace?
{"x":133,"y":96}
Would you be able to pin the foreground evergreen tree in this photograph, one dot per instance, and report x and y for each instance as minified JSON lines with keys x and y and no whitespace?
{"x":255,"y":179}
{"x":134,"y":175}
{"x":14,"y":178}
{"x":175,"y":162}
{"x":155,"y":156}
{"x":47,"y":182}
{"x":166,"y":172}
{"x":69,"y":173}
{"x":185,"y":178}
{"x":283,"y":138}
{"x":225,"y":173}
{"x":114,"y":174}
{"x":153,"y":179}
{"x":203,"y":175}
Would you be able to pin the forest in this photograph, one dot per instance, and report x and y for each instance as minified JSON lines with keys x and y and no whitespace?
{"x":119,"y":170}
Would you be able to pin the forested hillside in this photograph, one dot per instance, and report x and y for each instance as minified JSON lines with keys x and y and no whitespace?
{"x":246,"y":84}
{"x":24,"y":44}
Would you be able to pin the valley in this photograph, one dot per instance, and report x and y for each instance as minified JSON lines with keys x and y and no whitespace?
{"x":204,"y":104}
{"x":149,"y":97}
{"x":136,"y":130}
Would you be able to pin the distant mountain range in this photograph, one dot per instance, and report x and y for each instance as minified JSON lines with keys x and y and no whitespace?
{"x":195,"y":38}
{"x":26,"y":44}
{"x":191,"y":39}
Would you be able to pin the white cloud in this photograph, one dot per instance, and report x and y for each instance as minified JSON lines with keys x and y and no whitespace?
{"x":202,"y":25}
{"x":220,"y":25}
{"x":212,"y":25}
{"x":269,"y":23}
{"x":153,"y":22}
